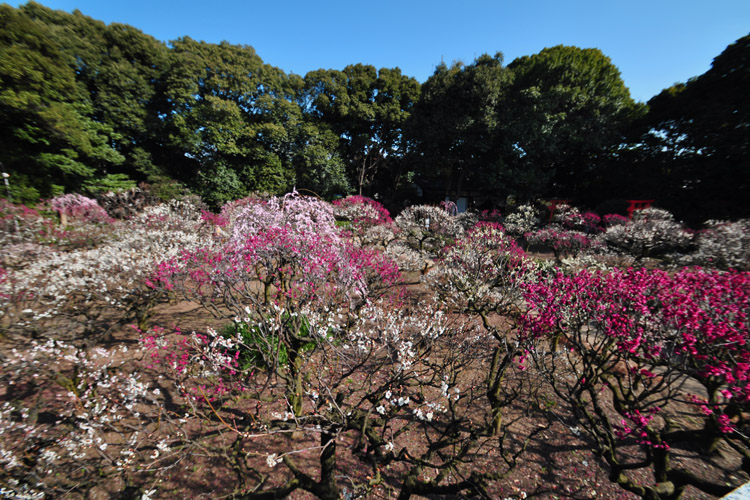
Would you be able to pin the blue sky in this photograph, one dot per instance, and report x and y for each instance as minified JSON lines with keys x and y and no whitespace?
{"x":654,"y":43}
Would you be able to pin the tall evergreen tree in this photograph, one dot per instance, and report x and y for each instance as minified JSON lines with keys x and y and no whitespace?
{"x":569,"y":111}
{"x":227,"y":120}
{"x":367,"y":109}
{"x":695,"y":142}
{"x":457,"y":129}
{"x":48,"y":135}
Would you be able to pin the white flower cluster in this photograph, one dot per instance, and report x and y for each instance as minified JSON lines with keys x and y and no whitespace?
{"x":652,"y":232}
{"x":91,"y":405}
{"x":467,"y":220}
{"x":86,"y":282}
{"x":20,"y":255}
{"x":354,"y":211}
{"x":427,"y":229}
{"x":273,"y":460}
{"x":479,"y":272}
{"x":15,"y":490}
{"x":378,"y":235}
{"x":724,"y":245}
{"x":407,"y":258}
{"x":523,"y":220}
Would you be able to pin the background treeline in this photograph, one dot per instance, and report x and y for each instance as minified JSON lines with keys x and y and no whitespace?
{"x":86,"y":106}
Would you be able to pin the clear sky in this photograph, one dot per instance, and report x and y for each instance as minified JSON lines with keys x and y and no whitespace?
{"x":654,"y":43}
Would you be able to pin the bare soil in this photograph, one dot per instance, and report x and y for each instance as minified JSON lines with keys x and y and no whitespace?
{"x":557,"y":464}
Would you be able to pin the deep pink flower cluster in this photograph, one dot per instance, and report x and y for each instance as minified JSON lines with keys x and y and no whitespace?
{"x":711,"y":311}
{"x":637,"y":424}
{"x":79,"y":207}
{"x":301,"y":269}
{"x":588,"y":222}
{"x":217,"y":220}
{"x":591,"y":222}
{"x":615,"y":220}
{"x":377,"y":269}
{"x":693,"y":322}
{"x":562,"y":241}
{"x":363,"y":210}
{"x":493,"y":215}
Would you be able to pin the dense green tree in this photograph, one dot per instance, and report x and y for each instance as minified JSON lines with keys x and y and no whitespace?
{"x":318,"y":165}
{"x":458,"y":128}
{"x":569,"y":111}
{"x":48,"y":136}
{"x":87,"y":106}
{"x":695,"y":143}
{"x":227,"y":118}
{"x":367,"y":109}
{"x":93,"y":106}
{"x":544,"y":125}
{"x":118,"y":67}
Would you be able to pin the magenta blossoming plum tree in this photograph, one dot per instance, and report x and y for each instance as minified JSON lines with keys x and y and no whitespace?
{"x":636,"y":347}
{"x":361,"y":209}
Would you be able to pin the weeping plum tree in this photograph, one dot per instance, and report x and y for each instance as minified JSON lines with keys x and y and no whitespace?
{"x":338,"y":359}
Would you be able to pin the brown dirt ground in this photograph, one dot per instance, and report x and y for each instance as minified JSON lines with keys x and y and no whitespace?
{"x":557,"y":464}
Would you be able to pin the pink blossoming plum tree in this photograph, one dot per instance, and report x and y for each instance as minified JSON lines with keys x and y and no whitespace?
{"x":76,"y":206}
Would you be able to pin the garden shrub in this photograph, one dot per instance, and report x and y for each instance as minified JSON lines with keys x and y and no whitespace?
{"x":652,"y":232}
{"x":126,"y":203}
{"x":427,"y":229}
{"x":524,"y":219}
{"x":723,"y":244}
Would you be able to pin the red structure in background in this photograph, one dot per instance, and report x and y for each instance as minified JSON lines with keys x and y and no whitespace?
{"x":634,"y":205}
{"x":638,"y":205}
{"x":553,"y":204}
